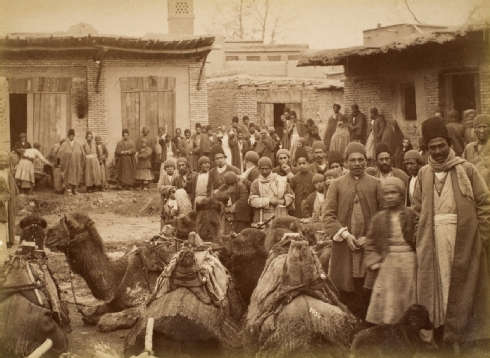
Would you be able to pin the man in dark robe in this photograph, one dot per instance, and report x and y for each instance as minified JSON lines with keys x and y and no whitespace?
{"x":351,"y":202}
{"x":357,"y":125}
{"x":301,"y":183}
{"x":196,"y":152}
{"x":251,"y":171}
{"x":208,"y":139}
{"x":265,"y":146}
{"x":238,"y":146}
{"x":125,"y":161}
{"x":335,"y":118}
{"x":452,"y":207}
{"x":217,"y":173}
{"x":72,"y":162}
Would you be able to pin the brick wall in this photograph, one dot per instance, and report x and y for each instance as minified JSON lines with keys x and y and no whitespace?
{"x":222,"y":100}
{"x":84,"y":75}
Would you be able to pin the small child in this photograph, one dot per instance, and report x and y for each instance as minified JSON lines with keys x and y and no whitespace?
{"x":166,"y":187}
{"x":143,"y":169}
{"x":313,"y":204}
{"x":390,"y":253}
{"x":330,"y":176}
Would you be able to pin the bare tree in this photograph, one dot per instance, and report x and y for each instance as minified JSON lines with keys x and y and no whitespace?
{"x":413,"y":14}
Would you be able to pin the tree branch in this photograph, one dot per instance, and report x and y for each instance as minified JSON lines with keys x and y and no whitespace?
{"x":408,"y":7}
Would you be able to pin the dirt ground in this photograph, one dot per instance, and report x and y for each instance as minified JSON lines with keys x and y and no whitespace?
{"x":123,"y":218}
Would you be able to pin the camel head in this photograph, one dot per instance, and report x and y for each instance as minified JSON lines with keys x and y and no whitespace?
{"x":61,"y":235}
{"x":248,"y":242}
{"x":32,"y":227}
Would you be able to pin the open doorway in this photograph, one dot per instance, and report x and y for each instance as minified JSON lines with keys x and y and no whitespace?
{"x":464,"y":96}
{"x":278,"y":123}
{"x":18,"y":116}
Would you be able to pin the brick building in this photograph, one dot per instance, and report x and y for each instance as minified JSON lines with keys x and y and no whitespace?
{"x":263,"y":99}
{"x":407,"y":71}
{"x":103,"y":83}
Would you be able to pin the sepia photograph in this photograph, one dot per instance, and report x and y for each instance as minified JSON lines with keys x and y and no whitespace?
{"x":244,"y":178}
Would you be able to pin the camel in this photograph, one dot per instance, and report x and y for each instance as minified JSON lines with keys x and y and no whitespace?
{"x":295,"y":308}
{"x":121,"y":283}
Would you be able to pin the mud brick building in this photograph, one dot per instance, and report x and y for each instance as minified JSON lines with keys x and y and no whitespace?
{"x":103,"y":83}
{"x":407,"y":71}
{"x":263,"y":99}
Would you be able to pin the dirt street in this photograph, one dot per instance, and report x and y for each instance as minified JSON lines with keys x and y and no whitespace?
{"x":122,"y":218}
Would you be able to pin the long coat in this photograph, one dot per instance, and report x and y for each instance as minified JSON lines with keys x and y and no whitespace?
{"x":378,"y":129}
{"x":357,"y":129}
{"x":337,"y":215}
{"x":468,"y":306}
{"x":235,"y":152}
{"x":186,"y":151}
{"x":332,"y":126}
{"x":72,"y":161}
{"x":302,"y":186}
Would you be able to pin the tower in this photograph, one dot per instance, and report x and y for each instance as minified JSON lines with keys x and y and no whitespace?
{"x":180,"y":17}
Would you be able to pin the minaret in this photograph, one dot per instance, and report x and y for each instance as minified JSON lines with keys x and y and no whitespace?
{"x":181,"y":17}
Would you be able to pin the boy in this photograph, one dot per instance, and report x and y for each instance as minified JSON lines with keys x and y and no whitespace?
{"x":166,"y":187}
{"x":143,"y":168}
{"x":312,"y":205}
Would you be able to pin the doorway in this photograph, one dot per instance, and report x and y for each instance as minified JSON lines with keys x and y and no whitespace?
{"x":18,"y":116}
{"x":464,"y":96}
{"x":278,"y":123}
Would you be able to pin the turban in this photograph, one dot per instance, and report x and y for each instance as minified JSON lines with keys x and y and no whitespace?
{"x":217,"y":149}
{"x":263,"y":131}
{"x":397,"y":182}
{"x":169,"y":163}
{"x":181,"y":160}
{"x":481,"y":119}
{"x":382,"y":147}
{"x":317,"y":177}
{"x":125,"y":131}
{"x":318,"y":145}
{"x":354,"y":147}
{"x":265,"y":162}
{"x":25,"y":135}
{"x":234,"y":119}
{"x":413,"y":154}
{"x":98,"y":138}
{"x":230,"y":178}
{"x":203,"y":160}
{"x":332,"y":173}
{"x":434,"y":128}
{"x":301,"y":153}
{"x":198,"y":125}
{"x":252,"y":156}
{"x":335,"y":157}
{"x":283,"y":151}
{"x":145,"y":129}
{"x":87,"y":133}
{"x":72,"y":131}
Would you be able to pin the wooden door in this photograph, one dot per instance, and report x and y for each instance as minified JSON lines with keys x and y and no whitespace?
{"x":48,"y":108}
{"x":147,"y":102}
{"x":265,"y":114}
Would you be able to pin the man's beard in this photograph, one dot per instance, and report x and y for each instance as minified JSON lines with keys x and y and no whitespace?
{"x":385,"y":168}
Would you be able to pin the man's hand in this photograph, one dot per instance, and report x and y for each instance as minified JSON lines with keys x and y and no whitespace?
{"x":352,"y":242}
{"x":280,"y":202}
{"x":286,"y":168}
{"x":273,"y":201}
{"x":362,"y":241}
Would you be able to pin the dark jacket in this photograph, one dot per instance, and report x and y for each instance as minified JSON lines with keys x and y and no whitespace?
{"x":235,"y":151}
{"x":357,"y":124}
{"x":254,"y":174}
{"x":239,"y":198}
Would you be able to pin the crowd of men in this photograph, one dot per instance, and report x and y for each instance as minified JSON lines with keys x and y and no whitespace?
{"x":408,"y":226}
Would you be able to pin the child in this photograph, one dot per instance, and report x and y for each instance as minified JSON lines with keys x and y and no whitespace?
{"x":143,"y":168}
{"x":312,"y":205}
{"x":166,"y":187}
{"x":102,"y":155}
{"x":390,"y":254}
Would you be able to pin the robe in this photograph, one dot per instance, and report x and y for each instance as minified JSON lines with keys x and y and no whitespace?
{"x":238,"y":151}
{"x":480,"y":158}
{"x":216,"y":178}
{"x":265,"y":148}
{"x":92,"y":166}
{"x":332,"y":126}
{"x":10,"y":205}
{"x":468,"y":306}
{"x":187,"y":148}
{"x":456,"y":132}
{"x":302,"y":186}
{"x":72,"y":161}
{"x":337,"y":213}
{"x":102,"y":155}
{"x":126,"y":163}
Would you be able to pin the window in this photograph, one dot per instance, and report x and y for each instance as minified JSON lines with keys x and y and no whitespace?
{"x":182,"y":8}
{"x":253,"y":58}
{"x":231,"y":58}
{"x":273,"y":58}
{"x":462,"y":91}
{"x":409,"y":103}
{"x":293,"y":57}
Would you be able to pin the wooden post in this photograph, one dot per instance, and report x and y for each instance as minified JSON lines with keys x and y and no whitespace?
{"x":43,"y":348}
{"x":149,"y":335}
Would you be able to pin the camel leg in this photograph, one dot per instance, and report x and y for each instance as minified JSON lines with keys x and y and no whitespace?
{"x":92,"y":315}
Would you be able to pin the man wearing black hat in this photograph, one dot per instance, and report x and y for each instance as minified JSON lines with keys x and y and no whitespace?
{"x":21,"y":145}
{"x":72,"y":161}
{"x":208,"y":139}
{"x":452,"y":207}
{"x":125,"y":161}
{"x":384,"y":164}
{"x":216,"y":174}
{"x":351,"y":202}
{"x":357,"y":125}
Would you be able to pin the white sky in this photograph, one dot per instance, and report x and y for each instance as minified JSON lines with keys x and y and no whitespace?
{"x":319,"y":23}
